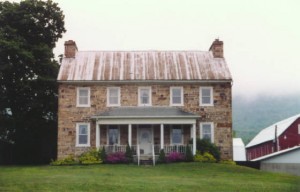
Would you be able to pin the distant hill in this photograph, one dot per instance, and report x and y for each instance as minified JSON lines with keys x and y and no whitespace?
{"x":251,"y":116}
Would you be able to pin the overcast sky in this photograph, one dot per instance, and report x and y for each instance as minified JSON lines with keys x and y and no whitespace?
{"x":261,"y":38}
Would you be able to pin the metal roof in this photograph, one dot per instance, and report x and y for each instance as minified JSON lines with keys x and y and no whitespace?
{"x":145,"y":112}
{"x":268,"y":133}
{"x":143,"y":65}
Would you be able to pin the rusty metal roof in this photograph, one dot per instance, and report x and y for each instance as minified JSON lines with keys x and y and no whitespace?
{"x":143,"y":65}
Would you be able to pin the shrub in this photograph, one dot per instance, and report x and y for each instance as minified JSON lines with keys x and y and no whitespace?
{"x":128,"y":154}
{"x":118,"y":157}
{"x":70,"y":160}
{"x":90,"y":157}
{"x":103,"y":155}
{"x":204,"y":145}
{"x":162,"y":156}
{"x":209,"y":158}
{"x":198,"y":157}
{"x":188,"y":154}
{"x":175,"y":157}
{"x":230,"y":162}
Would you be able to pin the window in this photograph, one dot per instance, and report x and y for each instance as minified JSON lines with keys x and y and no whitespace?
{"x":207,"y":131}
{"x":83,"y":97}
{"x":176,"y":96}
{"x":144,"y":96}
{"x":82,"y":135}
{"x":206,"y":96}
{"x":113,"y":96}
{"x":177,"y":134}
{"x":299,"y":129}
{"x":113,"y":135}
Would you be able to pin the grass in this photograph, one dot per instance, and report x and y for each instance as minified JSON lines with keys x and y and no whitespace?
{"x":167,"y":177}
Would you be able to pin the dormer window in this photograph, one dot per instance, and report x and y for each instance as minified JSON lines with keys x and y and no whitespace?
{"x":144,"y":96}
{"x":83,"y":97}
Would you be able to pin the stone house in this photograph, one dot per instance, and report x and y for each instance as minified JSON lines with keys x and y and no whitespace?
{"x":151,"y":100}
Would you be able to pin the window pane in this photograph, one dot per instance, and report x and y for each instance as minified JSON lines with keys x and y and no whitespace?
{"x":83,"y":100}
{"x":82,"y":129}
{"x":83,"y":93}
{"x":113,"y":100}
{"x":176,"y":92}
{"x":206,"y":131}
{"x":205,"y":92}
{"x":176,"y":100}
{"x":83,"y":139}
{"x":206,"y":100}
{"x":144,"y":96}
{"x":113,"y":92}
{"x":177,"y":136}
{"x":113,"y":136}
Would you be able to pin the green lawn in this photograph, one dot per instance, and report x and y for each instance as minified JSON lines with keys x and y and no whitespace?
{"x":168,"y":177}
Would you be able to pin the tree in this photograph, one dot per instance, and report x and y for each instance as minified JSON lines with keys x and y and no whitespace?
{"x":28,"y":71}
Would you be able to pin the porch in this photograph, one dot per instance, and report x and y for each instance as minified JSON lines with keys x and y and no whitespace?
{"x":147,"y":130}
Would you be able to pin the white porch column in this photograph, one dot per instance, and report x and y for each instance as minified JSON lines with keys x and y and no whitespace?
{"x":97,"y":136}
{"x":129,"y":135}
{"x":194,"y":138}
{"x":162,"y":136}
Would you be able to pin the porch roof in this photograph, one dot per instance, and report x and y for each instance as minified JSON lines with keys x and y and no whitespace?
{"x":145,"y":112}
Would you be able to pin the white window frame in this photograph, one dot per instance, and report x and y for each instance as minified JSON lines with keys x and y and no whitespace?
{"x":171,"y":135}
{"x":88,"y":135}
{"x":119,"y":135}
{"x":171,"y":96}
{"x":211,"y":97}
{"x":212,"y":130}
{"x":150,"y":96}
{"x":108,"y":96}
{"x":89,"y":97}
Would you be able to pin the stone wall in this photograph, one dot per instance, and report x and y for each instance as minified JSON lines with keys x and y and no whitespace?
{"x":220,"y":114}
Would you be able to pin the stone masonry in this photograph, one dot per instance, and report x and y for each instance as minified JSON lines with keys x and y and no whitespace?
{"x":220,"y":114}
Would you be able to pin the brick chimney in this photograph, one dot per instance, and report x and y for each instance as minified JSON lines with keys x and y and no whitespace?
{"x":217,"y":48}
{"x":70,"y":49}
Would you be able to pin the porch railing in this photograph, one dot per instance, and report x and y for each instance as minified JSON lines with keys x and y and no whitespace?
{"x":172,"y":148}
{"x":155,"y":148}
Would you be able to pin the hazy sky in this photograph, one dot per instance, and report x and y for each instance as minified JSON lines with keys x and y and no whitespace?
{"x":261,"y":38}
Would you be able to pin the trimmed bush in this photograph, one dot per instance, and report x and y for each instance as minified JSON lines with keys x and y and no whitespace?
{"x":128,"y":154}
{"x":204,"y":145}
{"x":162,"y":156}
{"x":90,"y":157}
{"x":118,"y":157}
{"x":70,"y":160}
{"x":188,"y":154}
{"x":103,"y":155}
{"x":206,"y":157}
{"x":175,"y":157}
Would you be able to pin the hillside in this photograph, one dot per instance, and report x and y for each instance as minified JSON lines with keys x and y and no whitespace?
{"x":250,"y":116}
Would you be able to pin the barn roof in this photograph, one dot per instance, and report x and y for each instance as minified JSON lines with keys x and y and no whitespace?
{"x":268,"y":133}
{"x":143,"y":65}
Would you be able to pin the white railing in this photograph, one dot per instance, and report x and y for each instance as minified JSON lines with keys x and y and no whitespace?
{"x":153,"y":155}
{"x":176,"y":148}
{"x":138,"y":154}
{"x":117,"y":148}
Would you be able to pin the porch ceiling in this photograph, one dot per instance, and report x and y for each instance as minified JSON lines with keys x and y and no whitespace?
{"x":145,"y":112}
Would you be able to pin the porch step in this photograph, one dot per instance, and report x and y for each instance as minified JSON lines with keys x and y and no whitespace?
{"x":146,"y":162}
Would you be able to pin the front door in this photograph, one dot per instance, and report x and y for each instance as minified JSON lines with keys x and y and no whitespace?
{"x":145,"y":140}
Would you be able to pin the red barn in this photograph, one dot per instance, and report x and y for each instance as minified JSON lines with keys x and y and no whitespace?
{"x":286,"y":132}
